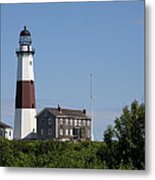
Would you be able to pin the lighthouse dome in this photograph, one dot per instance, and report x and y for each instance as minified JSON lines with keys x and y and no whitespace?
{"x":25,"y":32}
{"x":25,"y":37}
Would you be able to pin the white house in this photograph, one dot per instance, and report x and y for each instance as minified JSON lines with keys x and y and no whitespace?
{"x":6,"y":131}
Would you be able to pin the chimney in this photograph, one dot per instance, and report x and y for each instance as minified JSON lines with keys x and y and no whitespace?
{"x":59,"y":108}
{"x":84,"y":111}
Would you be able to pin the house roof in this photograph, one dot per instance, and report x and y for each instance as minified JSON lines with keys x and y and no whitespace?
{"x":60,"y":112}
{"x":31,"y":136}
{"x":3,"y":125}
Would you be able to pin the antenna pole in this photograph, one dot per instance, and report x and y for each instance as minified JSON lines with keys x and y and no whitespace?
{"x":91,"y":104}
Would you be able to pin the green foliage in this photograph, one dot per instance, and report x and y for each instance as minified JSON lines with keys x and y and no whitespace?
{"x":128,"y":135}
{"x":51,"y":154}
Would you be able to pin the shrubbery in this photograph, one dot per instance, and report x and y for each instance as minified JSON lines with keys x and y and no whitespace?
{"x":52,"y":154}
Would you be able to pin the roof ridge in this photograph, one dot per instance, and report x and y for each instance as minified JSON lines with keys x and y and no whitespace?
{"x":4,"y":124}
{"x":66,"y":112}
{"x":63,"y":109}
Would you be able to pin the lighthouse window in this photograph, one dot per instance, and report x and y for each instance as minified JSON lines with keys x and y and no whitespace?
{"x":30,"y":62}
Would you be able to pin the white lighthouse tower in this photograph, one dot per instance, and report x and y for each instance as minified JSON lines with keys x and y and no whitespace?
{"x":25,"y":108}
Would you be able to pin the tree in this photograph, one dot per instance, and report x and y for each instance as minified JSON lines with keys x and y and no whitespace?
{"x":129,"y":133}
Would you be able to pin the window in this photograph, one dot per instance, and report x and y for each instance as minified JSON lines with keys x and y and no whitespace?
{"x":71,"y":132}
{"x":71,"y":122}
{"x":88,"y":122}
{"x":84,"y":122}
{"x":30,"y":62}
{"x":49,"y":121}
{"x":88,"y":133}
{"x":10,"y":133}
{"x":42,"y":132}
{"x":61,"y":132}
{"x":66,"y":132}
{"x":75,"y":132}
{"x":60,"y":121}
{"x":75,"y":122}
{"x":49,"y":131}
{"x":79,"y":122}
{"x":66,"y":121}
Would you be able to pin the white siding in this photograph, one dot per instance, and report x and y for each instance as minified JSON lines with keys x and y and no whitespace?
{"x":9,"y":133}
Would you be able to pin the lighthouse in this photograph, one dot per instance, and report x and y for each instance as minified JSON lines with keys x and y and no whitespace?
{"x":25,"y":107}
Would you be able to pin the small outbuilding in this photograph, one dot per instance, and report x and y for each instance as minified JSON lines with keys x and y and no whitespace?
{"x":6,"y":131}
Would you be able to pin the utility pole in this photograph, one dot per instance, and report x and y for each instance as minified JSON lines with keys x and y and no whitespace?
{"x":91,"y":105}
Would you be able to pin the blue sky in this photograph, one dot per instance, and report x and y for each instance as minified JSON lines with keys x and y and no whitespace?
{"x":73,"y":40}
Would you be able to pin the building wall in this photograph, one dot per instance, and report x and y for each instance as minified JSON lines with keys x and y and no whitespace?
{"x":46,"y":126}
{"x":74,"y":128}
{"x":6,"y":133}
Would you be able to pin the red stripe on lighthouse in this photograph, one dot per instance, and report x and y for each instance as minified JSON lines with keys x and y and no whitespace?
{"x":25,"y":97}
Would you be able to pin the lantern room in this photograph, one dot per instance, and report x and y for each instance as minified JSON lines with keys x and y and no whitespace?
{"x":25,"y":37}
